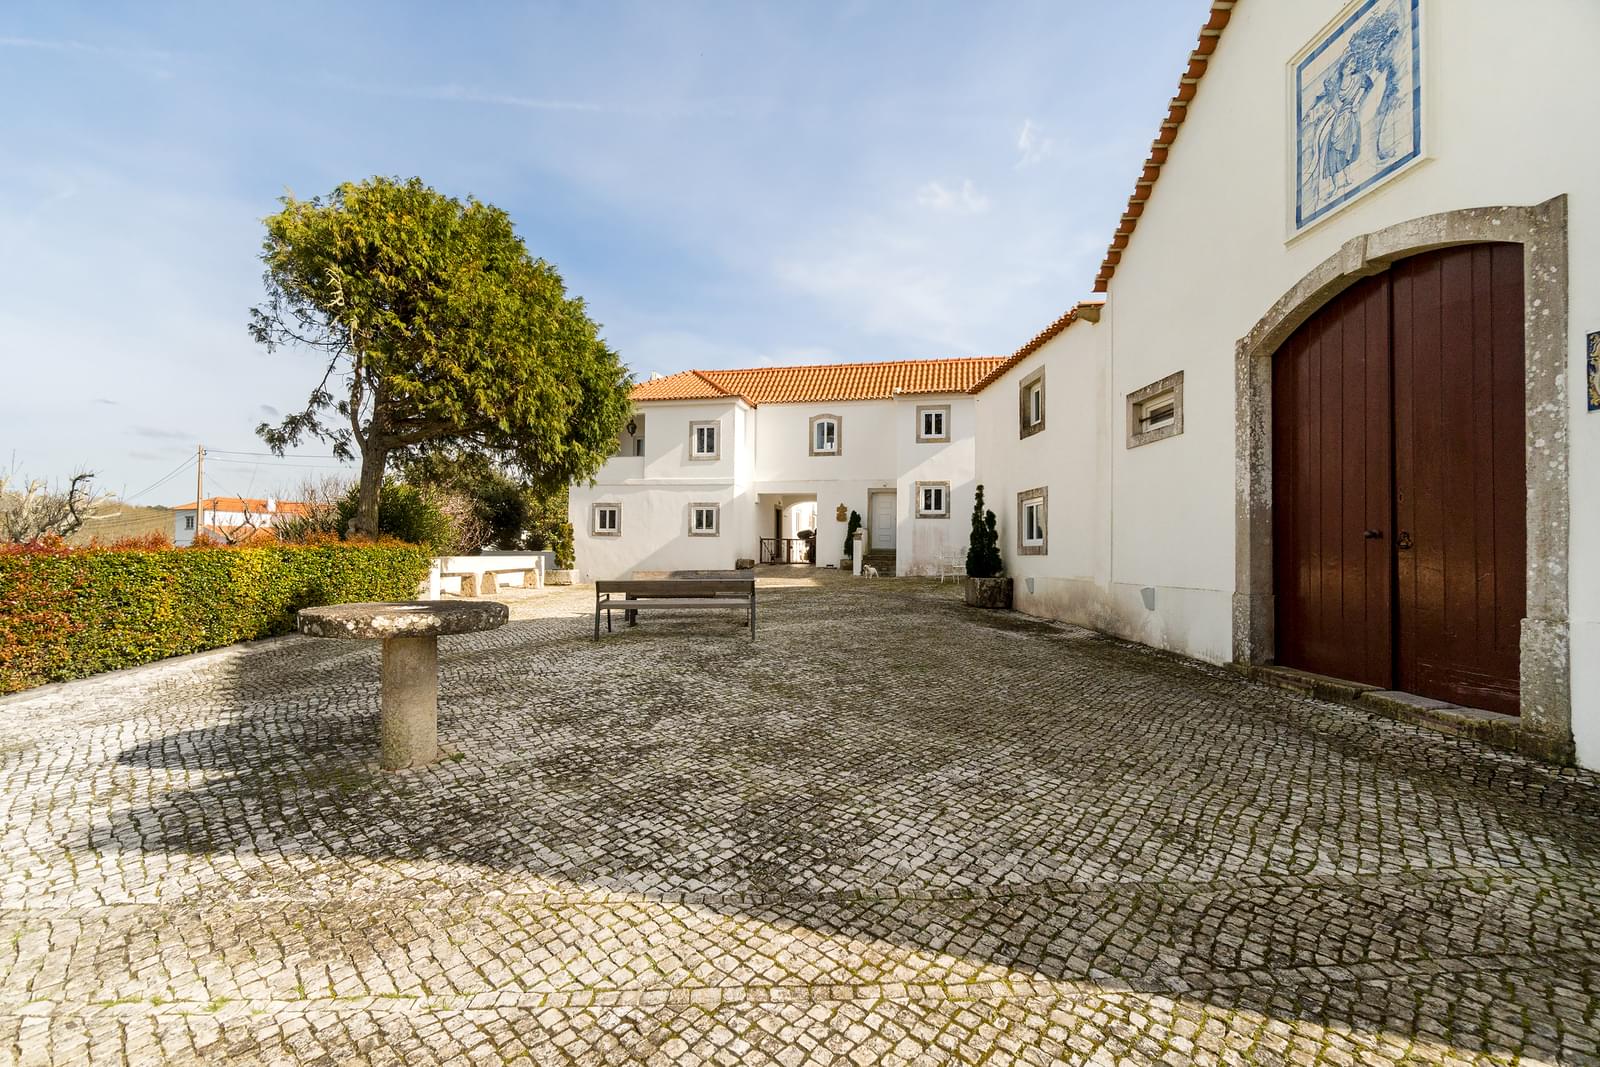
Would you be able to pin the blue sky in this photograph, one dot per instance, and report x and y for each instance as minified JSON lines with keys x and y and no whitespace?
{"x":726,"y":185}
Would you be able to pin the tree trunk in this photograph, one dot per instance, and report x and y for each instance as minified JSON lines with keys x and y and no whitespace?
{"x":373,"y":459}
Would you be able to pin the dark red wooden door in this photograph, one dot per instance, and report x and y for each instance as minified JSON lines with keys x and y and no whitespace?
{"x":1399,"y":539}
{"x":1460,"y":484}
{"x":1332,"y":490}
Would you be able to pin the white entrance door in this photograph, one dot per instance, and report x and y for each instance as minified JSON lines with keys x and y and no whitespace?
{"x":882,"y":533}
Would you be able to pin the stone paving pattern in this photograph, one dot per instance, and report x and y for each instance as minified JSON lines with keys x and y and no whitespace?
{"x":892,"y":830}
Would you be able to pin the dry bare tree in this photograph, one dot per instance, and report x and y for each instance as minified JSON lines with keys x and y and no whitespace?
{"x":31,"y":511}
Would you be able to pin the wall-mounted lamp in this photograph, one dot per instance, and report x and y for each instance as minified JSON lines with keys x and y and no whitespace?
{"x":633,"y":428}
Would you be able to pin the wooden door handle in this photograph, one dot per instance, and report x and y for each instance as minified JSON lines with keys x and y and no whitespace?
{"x":1405,"y":540}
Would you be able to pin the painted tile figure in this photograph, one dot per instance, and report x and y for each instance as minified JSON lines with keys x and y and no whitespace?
{"x":1594,"y":372}
{"x":1358,"y":106}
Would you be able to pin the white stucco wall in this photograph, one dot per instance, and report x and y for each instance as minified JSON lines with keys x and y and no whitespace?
{"x":1211,"y":254}
{"x":921,"y":540}
{"x":765,"y":454}
{"x":1069,"y":459}
{"x":655,"y":529}
{"x":656,"y":491}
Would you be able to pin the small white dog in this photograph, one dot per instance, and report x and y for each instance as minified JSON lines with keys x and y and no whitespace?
{"x":868,"y":571}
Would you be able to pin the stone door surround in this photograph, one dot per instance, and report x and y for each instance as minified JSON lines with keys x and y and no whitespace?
{"x":1545,"y":726}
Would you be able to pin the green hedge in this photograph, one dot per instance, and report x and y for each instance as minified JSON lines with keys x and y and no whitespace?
{"x":67,"y":614}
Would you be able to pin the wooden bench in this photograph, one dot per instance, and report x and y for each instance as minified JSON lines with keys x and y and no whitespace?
{"x":633,"y":595}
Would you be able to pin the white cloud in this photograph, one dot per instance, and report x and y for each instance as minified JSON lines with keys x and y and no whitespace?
{"x":153,"y":62}
{"x":1032,"y":145}
{"x":643,"y":107}
{"x":465,"y":95}
{"x":60,"y":45}
{"x":965,"y":199}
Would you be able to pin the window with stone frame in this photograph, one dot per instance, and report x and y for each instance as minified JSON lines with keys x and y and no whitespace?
{"x":1033,"y":522}
{"x":705,"y":440}
{"x":606,"y":520}
{"x":933,"y":500}
{"x":933,"y":423}
{"x":705,"y":520}
{"x":826,"y":435}
{"x":1031,"y":404}
{"x":1155,"y":412}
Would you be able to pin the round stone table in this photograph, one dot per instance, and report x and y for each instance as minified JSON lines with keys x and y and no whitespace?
{"x":408,"y":726}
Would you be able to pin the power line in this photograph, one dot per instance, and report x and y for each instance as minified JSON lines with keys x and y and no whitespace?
{"x":163,"y":480}
{"x":257,"y":466}
{"x":271,"y":455}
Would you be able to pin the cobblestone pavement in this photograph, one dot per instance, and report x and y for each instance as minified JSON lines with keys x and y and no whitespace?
{"x":892,"y":830}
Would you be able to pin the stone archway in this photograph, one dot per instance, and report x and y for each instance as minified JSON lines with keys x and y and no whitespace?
{"x":1545,"y":728}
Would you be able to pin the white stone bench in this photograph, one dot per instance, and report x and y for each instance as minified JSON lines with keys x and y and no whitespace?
{"x":476,"y":575}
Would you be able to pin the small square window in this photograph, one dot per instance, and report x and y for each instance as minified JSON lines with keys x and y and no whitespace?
{"x":1030,"y":405}
{"x":933,"y":423}
{"x":607,"y":520}
{"x":638,"y":446}
{"x":933,"y":500}
{"x":825,"y":435}
{"x":704,"y":441}
{"x":704,"y":519}
{"x":1158,"y":414}
{"x":188,"y":522}
{"x":1156,"y":411}
{"x":1032,"y":521}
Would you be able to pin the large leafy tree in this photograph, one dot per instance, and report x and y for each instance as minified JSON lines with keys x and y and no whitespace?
{"x":438,"y":329}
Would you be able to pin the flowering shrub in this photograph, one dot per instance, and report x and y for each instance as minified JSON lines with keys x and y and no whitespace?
{"x":70,"y":613}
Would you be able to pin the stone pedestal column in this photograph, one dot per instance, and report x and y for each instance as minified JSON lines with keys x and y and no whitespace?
{"x":408,"y":708}
{"x":408,"y":724}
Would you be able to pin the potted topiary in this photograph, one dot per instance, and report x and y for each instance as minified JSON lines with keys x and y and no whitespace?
{"x":984,"y":586}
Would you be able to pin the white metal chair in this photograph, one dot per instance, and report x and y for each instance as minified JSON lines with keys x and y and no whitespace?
{"x":952,"y":562}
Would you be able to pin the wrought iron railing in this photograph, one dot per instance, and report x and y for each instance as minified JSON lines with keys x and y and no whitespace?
{"x":785,"y":550}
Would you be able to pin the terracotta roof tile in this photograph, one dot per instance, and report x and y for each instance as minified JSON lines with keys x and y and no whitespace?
{"x":1088,"y":310}
{"x":254,"y":505}
{"x":685,"y":385}
{"x":822,"y":382}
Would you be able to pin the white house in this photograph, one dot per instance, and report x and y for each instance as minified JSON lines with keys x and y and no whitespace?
{"x":1335,"y":404}
{"x":230,"y":517}
{"x":1332,"y":412}
{"x":718,"y":466}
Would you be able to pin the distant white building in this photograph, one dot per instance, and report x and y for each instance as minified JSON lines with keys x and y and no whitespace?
{"x":228,"y":518}
{"x":718,"y":466}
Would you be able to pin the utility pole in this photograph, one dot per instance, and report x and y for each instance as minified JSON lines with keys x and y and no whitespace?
{"x":199,"y":487}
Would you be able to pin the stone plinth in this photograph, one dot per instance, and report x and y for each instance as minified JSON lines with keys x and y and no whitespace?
{"x":987,"y":592}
